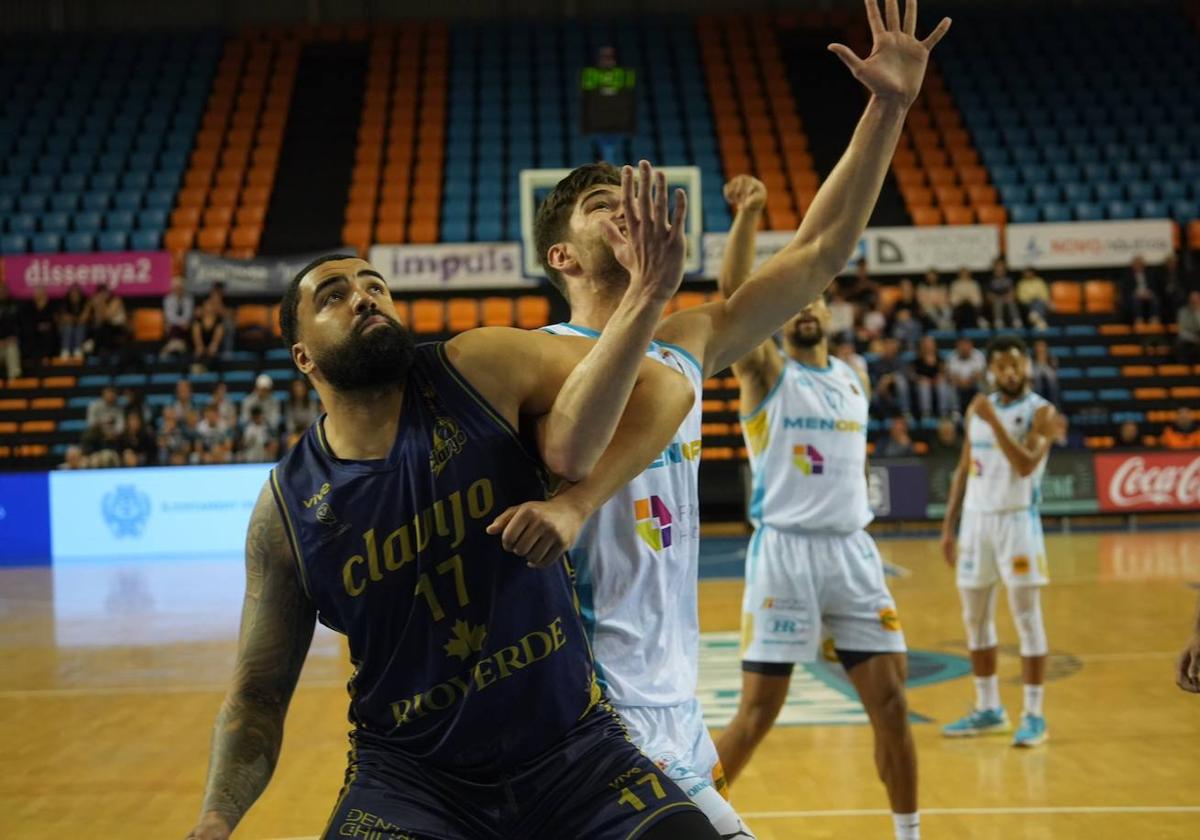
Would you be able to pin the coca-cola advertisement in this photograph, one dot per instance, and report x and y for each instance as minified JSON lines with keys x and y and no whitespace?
{"x":1148,"y":481}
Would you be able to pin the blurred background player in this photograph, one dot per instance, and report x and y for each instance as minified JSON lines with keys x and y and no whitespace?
{"x":1008,"y":438}
{"x":637,"y":557}
{"x":811,"y":564}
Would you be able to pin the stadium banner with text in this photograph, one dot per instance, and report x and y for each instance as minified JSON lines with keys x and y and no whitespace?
{"x":469,"y":265}
{"x":1148,"y":481}
{"x":127,"y":273}
{"x":1068,"y":485}
{"x":243,"y":278}
{"x":153,"y":511}
{"x":888,"y":250}
{"x":1088,"y":244}
{"x":898,"y":489}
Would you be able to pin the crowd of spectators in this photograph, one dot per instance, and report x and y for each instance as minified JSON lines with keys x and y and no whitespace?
{"x":213,"y":428}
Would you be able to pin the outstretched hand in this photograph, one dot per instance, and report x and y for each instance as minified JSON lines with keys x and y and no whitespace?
{"x":895,"y":68}
{"x":652,"y":248}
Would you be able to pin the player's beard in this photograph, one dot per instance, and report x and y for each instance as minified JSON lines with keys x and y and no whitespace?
{"x":1013,"y":391}
{"x":373,"y":361}
{"x":808,"y":338}
{"x":606,"y":267}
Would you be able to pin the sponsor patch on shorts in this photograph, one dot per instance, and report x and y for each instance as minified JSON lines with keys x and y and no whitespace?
{"x":1020,"y":565}
{"x":890,"y":619}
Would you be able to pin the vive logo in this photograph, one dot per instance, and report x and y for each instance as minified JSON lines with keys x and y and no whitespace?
{"x":808,"y":460}
{"x":653,"y":522}
{"x":126,"y":510}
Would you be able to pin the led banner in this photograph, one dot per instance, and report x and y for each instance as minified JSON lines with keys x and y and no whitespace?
{"x":469,"y":265}
{"x":1148,"y":481}
{"x":127,"y":273}
{"x":1088,"y":244}
{"x":888,"y":250}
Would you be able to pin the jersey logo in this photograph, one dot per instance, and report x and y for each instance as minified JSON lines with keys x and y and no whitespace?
{"x":466,"y":640}
{"x":808,"y":460}
{"x":889,"y":619}
{"x":448,"y":441}
{"x":653,"y":522}
{"x":318,"y":496}
{"x":976,"y":467}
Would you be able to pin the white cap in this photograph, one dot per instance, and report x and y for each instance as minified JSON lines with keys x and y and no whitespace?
{"x":263,"y":381}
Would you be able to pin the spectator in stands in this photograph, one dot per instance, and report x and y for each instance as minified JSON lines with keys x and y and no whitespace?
{"x":174,"y":443}
{"x":216,"y":300}
{"x":841,"y":314}
{"x":10,"y":333}
{"x":178,"y":312}
{"x":225,"y":407}
{"x":300,"y":411}
{"x":187,"y":412}
{"x":105,"y":317}
{"x":890,"y":382}
{"x":1140,"y":295}
{"x":929,"y":376}
{"x":214,"y":439}
{"x":946,"y":444}
{"x":1003,"y":296}
{"x":1173,"y":285}
{"x":262,"y":397}
{"x":135,"y":443}
{"x":1044,"y":372}
{"x":1188,"y":340}
{"x":72,"y":459}
{"x":43,"y":331}
{"x":1183,"y":433}
{"x":906,"y":328}
{"x":259,"y":442}
{"x":966,"y":301}
{"x":208,"y":332}
{"x":907,"y":300}
{"x":872,"y":325}
{"x":106,"y":411}
{"x":935,"y":302}
{"x":844,"y":350}
{"x":1129,"y":436}
{"x":898,"y":443}
{"x":966,"y":367}
{"x":72,"y":328}
{"x":133,"y":400}
{"x":1034,"y":296}
{"x":863,"y":291}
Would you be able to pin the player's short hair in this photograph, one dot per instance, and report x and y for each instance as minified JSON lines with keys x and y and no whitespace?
{"x":1004,"y":343}
{"x":550,"y":224}
{"x":289,"y":308}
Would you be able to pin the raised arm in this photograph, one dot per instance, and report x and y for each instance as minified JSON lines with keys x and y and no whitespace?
{"x":958,"y":487}
{"x":1024,"y":456}
{"x":757,"y":370}
{"x":277,"y":627}
{"x":722,"y":333}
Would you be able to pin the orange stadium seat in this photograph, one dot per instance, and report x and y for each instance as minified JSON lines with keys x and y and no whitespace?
{"x":497,"y":312}
{"x":991,"y":215}
{"x":245,"y":236}
{"x":218,"y":216}
{"x":1100,"y":296}
{"x":47,"y":403}
{"x":14,"y":404}
{"x":1149,"y":393}
{"x":926,"y":216}
{"x":533,"y":311}
{"x":147,"y":324}
{"x":250,"y":215}
{"x":428,"y":316}
{"x":462,"y":314}
{"x":1066,"y":297}
{"x":959,"y":215}
{"x":212,"y":239}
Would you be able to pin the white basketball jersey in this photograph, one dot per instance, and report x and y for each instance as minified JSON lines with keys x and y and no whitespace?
{"x":637,"y":560}
{"x":808,"y":451}
{"x":992,"y":484}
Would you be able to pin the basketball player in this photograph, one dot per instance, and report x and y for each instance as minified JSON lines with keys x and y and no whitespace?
{"x":637,"y":557}
{"x":1007,"y":441}
{"x":810,"y":564}
{"x":401,"y":519}
{"x":1188,"y":674}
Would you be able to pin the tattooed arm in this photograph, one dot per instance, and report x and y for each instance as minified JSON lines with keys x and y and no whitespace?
{"x":277,"y":627}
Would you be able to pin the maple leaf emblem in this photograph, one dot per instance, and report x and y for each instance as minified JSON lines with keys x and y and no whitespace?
{"x":467,"y":639}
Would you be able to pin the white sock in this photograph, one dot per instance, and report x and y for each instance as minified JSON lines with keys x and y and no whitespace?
{"x":908,"y":826}
{"x":1033,"y":699}
{"x":987,"y":692}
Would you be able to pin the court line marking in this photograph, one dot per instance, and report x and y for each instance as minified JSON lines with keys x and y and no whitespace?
{"x":202,"y":688}
{"x":966,"y":812}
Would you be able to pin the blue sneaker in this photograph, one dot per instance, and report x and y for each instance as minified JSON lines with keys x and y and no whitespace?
{"x":1031,"y":732}
{"x":979,"y":722}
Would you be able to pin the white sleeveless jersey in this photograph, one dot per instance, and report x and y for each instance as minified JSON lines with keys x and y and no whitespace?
{"x":808,"y":451}
{"x":992,"y":484}
{"x":636,"y":563}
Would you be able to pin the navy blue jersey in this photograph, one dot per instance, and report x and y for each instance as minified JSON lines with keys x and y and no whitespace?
{"x":464,"y":656}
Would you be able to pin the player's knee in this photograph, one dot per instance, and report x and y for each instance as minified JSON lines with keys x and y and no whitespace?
{"x":891,"y":709}
{"x":1027,"y":615}
{"x":758,"y":717}
{"x":978,"y":619}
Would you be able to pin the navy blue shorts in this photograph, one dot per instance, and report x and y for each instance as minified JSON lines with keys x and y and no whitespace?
{"x":595,"y":785}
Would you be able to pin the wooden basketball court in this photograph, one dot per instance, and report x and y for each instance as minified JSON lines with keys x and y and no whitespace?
{"x":113,"y":674}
